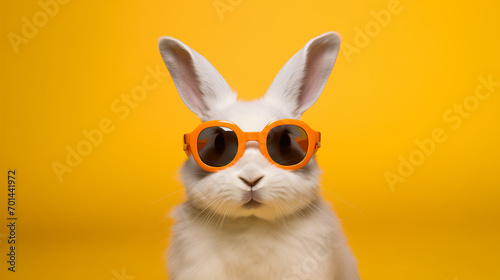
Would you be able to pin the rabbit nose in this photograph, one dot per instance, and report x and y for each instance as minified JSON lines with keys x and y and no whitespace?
{"x":251,"y":182}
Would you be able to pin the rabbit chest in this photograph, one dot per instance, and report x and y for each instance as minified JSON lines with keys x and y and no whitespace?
{"x":302,"y":247}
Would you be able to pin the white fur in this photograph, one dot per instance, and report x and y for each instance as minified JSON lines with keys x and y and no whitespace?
{"x":294,"y":234}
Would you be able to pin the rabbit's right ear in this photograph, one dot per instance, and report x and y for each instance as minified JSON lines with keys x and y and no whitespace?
{"x":199,"y":84}
{"x":300,"y":82}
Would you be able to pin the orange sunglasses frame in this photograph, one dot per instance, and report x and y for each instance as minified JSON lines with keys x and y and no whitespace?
{"x":313,"y":142}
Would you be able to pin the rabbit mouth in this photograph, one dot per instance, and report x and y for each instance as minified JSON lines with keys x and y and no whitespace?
{"x":251,"y":204}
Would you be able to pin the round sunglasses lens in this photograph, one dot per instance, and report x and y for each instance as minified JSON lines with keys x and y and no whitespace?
{"x":287,"y":144}
{"x":217,"y":146}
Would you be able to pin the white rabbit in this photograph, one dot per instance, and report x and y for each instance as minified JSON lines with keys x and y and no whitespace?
{"x":293,"y":233}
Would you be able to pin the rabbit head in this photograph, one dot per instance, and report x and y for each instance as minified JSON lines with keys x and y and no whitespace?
{"x":252,"y":186}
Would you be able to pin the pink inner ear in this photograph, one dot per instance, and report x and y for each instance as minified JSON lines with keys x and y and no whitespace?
{"x":317,"y":66}
{"x":188,"y":79}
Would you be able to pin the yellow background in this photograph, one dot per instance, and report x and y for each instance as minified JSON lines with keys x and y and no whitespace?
{"x":108,"y":217}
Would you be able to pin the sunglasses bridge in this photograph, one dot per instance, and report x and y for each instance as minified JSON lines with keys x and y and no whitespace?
{"x":252,"y":136}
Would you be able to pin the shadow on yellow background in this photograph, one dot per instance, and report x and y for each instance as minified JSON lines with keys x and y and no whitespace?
{"x":92,"y":124}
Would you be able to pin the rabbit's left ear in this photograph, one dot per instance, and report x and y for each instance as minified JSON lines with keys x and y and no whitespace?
{"x":300,"y":82}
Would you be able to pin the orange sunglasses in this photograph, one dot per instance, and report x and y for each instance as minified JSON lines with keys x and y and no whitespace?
{"x":287,"y":143}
